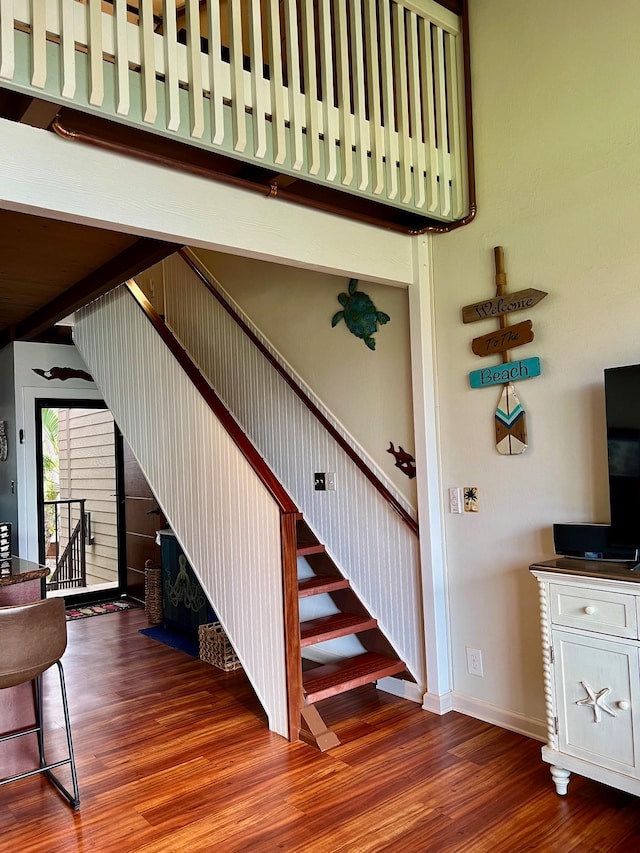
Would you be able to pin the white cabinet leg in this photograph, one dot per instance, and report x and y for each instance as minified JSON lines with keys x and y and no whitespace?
{"x":560,"y":777}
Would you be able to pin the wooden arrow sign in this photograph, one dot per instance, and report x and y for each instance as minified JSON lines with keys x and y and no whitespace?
{"x":501,"y":305}
{"x":495,"y":342}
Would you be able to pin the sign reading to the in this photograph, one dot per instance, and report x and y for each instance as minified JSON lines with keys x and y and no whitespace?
{"x":503,"y":339}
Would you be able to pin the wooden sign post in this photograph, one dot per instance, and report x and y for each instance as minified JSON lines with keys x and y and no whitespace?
{"x":510,"y":417}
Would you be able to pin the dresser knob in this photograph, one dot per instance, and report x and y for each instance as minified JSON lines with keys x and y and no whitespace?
{"x":590,"y":610}
{"x":624,"y":705}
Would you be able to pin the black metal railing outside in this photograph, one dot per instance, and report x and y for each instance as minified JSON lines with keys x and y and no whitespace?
{"x":67,"y":526}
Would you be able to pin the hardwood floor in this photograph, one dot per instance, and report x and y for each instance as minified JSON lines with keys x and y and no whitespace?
{"x":175,"y":757}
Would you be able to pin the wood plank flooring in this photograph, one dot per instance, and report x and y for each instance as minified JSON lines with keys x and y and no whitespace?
{"x":175,"y":757}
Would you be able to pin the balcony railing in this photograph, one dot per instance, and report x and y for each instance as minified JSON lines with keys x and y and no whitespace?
{"x":366,"y":96}
{"x":67,"y":533}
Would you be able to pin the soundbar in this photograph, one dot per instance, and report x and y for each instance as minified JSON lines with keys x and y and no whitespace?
{"x":590,"y":542}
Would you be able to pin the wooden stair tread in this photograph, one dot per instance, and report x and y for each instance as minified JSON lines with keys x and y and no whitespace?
{"x":336,"y":625}
{"x":305,"y":548}
{"x":320,"y":583}
{"x":333,"y":678}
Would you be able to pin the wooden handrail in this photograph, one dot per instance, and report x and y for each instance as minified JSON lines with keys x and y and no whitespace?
{"x":304,"y":398}
{"x":265,"y":474}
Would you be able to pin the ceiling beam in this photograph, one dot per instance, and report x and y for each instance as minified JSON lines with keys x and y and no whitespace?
{"x":38,"y":113}
{"x":143,"y":254}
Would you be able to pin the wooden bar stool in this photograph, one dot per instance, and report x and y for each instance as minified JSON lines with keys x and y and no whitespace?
{"x":33,"y":638}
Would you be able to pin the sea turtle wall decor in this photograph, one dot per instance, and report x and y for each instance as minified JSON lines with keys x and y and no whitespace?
{"x":360,"y":314}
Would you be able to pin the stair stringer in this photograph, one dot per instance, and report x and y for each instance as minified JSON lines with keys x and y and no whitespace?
{"x":224,"y":518}
{"x":363,"y":534}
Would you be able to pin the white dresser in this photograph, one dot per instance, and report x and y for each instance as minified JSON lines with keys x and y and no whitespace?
{"x":590,"y":618}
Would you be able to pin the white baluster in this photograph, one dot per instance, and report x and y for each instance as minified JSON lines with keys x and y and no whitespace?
{"x":415,"y":111}
{"x":373,"y":91}
{"x":441,"y":123}
{"x":258,"y":100}
{"x":237,"y":76}
{"x":38,"y":44}
{"x":329,"y":117}
{"x":388,"y":100}
{"x":96,"y":77}
{"x":7,"y":47}
{"x":455,"y":86}
{"x":216,"y":77}
{"x":148,"y":62}
{"x":277,"y":87}
{"x":121,"y":46}
{"x":344,"y":94}
{"x":171,"y":76}
{"x":293,"y":84}
{"x":429,"y":114}
{"x":402,"y":101}
{"x":194,"y":55}
{"x":312,"y":115}
{"x":363,"y":143}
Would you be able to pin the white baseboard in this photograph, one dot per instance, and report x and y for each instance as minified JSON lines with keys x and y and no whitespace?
{"x":536,"y":729}
{"x":437,"y":704}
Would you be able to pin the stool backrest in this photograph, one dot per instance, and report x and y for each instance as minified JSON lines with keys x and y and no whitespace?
{"x":32,"y":638}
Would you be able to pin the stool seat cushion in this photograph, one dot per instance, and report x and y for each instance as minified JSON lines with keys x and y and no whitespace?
{"x":34,"y":637}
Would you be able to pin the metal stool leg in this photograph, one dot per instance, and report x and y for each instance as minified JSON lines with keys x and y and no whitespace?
{"x":37,"y":683}
{"x":72,"y":798}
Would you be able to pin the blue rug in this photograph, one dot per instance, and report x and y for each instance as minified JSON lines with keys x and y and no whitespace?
{"x":175,"y":639}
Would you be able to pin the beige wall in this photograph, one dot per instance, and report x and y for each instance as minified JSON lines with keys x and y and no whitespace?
{"x":557,"y":131}
{"x":368,"y":391}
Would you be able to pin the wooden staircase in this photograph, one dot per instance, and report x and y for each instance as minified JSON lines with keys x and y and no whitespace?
{"x":321,"y":681}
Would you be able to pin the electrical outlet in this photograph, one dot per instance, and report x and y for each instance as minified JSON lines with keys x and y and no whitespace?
{"x":474,"y":662}
{"x":455,"y":499}
{"x":331,"y":481}
{"x":319,"y":482}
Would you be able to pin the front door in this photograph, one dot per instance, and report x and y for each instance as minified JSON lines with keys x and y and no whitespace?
{"x":77,"y":498}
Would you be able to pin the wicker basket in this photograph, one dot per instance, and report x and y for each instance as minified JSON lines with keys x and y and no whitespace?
{"x":216,"y":649}
{"x":153,"y":608}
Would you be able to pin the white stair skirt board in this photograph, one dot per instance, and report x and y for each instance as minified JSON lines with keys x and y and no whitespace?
{"x":400,"y":687}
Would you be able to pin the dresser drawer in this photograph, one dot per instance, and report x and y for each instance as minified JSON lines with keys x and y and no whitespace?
{"x":594,"y":610}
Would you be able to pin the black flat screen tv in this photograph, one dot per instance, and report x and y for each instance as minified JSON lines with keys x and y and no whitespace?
{"x":622,"y":395}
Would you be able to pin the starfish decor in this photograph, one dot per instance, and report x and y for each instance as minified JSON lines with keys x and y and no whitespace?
{"x":596,"y":700}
